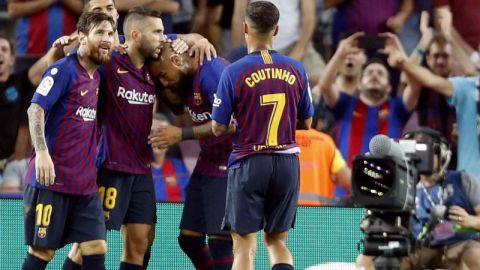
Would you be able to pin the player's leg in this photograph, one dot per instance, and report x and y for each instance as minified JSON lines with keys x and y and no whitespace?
{"x":244,"y":212}
{"x":280,"y":256}
{"x":74,"y":259}
{"x":220,"y":243}
{"x":244,"y":251}
{"x":193,"y":226}
{"x":138,"y":225}
{"x":281,"y":208}
{"x":87,"y":228}
{"x":45,"y":214}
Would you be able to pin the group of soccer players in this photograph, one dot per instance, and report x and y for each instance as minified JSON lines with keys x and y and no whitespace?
{"x":90,"y":171}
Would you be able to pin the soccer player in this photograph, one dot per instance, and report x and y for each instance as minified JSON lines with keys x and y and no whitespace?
{"x":204,"y":208}
{"x":269,"y":96}
{"x":61,"y":201}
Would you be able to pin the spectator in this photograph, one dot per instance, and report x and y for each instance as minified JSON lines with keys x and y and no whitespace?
{"x":322,"y":167}
{"x":461,"y":93}
{"x":12,"y":101}
{"x":449,"y":242}
{"x":370,"y":16}
{"x":39,"y":24}
{"x":170,"y":176}
{"x":13,"y":176}
{"x":297,"y":23}
{"x":373,"y":111}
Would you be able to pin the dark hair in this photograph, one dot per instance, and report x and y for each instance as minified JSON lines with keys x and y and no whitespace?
{"x":376,"y":61}
{"x":88,"y":20}
{"x":438,"y":39}
{"x":263,"y":15}
{"x":427,"y":134}
{"x":9,"y":40}
{"x":86,"y":4}
{"x":139,"y":13}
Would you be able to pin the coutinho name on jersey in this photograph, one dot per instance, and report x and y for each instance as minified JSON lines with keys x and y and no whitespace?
{"x":136,"y":97}
{"x":270,"y":73}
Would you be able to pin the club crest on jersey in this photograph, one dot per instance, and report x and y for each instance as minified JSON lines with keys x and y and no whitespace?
{"x":197,"y":98}
{"x":42,"y":232}
{"x":88,"y":114}
{"x":45,"y":86}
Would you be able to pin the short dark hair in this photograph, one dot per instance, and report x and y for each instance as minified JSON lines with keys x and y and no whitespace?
{"x":9,"y":40}
{"x":377,"y":61}
{"x":263,"y":15}
{"x":89,"y":20}
{"x":138,"y":14}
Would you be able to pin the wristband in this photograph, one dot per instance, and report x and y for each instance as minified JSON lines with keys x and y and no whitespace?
{"x":187,"y":133}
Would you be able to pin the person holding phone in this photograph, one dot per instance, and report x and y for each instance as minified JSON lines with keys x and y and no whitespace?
{"x":373,"y":111}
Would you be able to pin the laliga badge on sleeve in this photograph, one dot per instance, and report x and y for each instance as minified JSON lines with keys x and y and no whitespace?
{"x":45,"y":86}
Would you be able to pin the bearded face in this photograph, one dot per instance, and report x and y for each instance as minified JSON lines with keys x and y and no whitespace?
{"x":375,"y":82}
{"x":100,"y":43}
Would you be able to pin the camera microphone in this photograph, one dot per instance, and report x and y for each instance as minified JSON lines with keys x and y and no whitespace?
{"x":381,"y":145}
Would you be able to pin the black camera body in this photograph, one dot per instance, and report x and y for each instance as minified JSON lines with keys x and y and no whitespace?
{"x":384,"y":182}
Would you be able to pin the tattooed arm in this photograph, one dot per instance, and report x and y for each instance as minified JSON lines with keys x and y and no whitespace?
{"x":45,"y":172}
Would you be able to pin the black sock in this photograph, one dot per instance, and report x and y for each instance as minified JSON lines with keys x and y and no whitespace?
{"x":68,"y":264}
{"x":34,"y":263}
{"x":282,"y":266}
{"x":130,"y":266}
{"x":146,"y":257}
{"x":197,"y":250}
{"x":222,"y":253}
{"x":93,"y":262}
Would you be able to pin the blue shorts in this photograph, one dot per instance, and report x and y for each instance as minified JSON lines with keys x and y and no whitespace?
{"x":127,"y":198}
{"x":263,"y":194}
{"x":204,"y":206}
{"x":54,"y":219}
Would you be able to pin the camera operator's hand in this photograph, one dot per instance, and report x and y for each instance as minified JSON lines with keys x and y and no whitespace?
{"x":459,"y":216}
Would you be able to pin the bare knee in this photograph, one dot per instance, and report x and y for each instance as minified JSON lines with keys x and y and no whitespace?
{"x":136,"y":239}
{"x":244,"y":245}
{"x":42,"y":253}
{"x":470,"y":257}
{"x":94,"y":247}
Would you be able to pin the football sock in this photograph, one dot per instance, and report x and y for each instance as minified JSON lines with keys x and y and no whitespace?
{"x":197,"y":250}
{"x":222,"y":253}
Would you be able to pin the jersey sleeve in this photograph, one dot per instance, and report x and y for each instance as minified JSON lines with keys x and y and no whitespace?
{"x":210,"y":78}
{"x":338,"y":162}
{"x":55,"y":83}
{"x":461,"y":88}
{"x":305,"y":107}
{"x":224,"y":100}
{"x":171,"y":36}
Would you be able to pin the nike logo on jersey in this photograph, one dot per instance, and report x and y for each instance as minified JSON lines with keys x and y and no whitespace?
{"x":119,"y":71}
{"x":83,"y":93}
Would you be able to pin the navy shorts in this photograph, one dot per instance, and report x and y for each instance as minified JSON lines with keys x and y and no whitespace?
{"x":204,"y":206}
{"x":127,"y":198}
{"x":263,"y":194}
{"x":54,"y":219}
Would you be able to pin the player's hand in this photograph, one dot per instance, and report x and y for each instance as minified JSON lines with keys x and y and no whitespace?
{"x":179,"y":46}
{"x":232,"y":128}
{"x":44,"y":168}
{"x":201,"y":49}
{"x":349,"y":45}
{"x":458,"y":215}
{"x":64,"y":41}
{"x":121,"y":48}
{"x":165,"y":136}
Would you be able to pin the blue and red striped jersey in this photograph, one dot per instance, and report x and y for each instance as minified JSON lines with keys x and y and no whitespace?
{"x":125,"y":116}
{"x":37,"y":32}
{"x":170,"y":180}
{"x":358,"y":123}
{"x":266,"y":92}
{"x":214,"y":153}
{"x":69,"y":97}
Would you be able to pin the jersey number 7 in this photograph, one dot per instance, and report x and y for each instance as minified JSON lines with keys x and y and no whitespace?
{"x":278,"y":102}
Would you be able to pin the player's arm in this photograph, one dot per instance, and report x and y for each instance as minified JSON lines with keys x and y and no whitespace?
{"x":325,"y":84}
{"x":25,"y":8}
{"x":45,"y":171}
{"x":222,"y":109}
{"x":306,"y":33}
